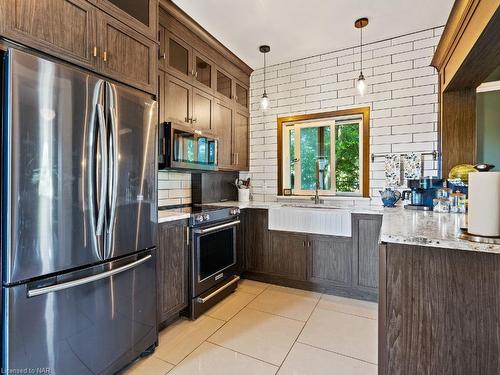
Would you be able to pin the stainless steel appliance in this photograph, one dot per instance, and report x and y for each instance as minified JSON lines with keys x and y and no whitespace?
{"x":422,"y":193}
{"x":79,"y":215}
{"x":182,"y":147}
{"x":214,"y":262}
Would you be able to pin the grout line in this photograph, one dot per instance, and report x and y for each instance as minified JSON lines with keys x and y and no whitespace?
{"x":295,"y":341}
{"x":278,"y":315}
{"x":244,"y":354}
{"x":342,"y":354}
{"x":183,"y":358}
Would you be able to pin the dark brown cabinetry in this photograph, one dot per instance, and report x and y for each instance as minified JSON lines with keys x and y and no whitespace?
{"x":339,"y":265}
{"x":330,"y":259}
{"x":241,"y":135}
{"x":212,"y":88}
{"x":126,"y":53}
{"x":140,"y":15}
{"x":256,"y":240}
{"x":438,"y":311}
{"x":202,"y":110}
{"x":172,"y":270}
{"x":223,"y":127}
{"x":65,"y":28}
{"x":366,"y":230}
{"x":177,"y":106}
{"x":79,"y":32}
{"x":288,"y":255}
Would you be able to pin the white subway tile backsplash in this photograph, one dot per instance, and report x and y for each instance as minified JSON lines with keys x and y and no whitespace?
{"x":402,"y":95}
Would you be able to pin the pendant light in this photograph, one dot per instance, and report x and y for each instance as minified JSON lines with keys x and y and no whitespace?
{"x":264,"y":101}
{"x":361,"y":83}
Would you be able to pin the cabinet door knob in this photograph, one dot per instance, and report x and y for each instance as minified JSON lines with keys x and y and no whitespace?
{"x":105,"y":56}
{"x":162,"y":55}
{"x":94,"y":51}
{"x":194,"y":119}
{"x":192,"y":73}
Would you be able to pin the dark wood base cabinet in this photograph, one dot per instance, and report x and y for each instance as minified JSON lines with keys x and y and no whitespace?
{"x":439,"y":311}
{"x":172,"y":270}
{"x":346,"y":266}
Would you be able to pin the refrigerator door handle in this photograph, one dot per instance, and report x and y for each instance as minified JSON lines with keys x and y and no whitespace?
{"x":104,"y":169}
{"x":86,"y":280}
{"x":113,"y":175}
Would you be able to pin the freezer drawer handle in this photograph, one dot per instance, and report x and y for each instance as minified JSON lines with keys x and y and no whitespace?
{"x":217,"y":227}
{"x":86,"y":280}
{"x":217,"y":291}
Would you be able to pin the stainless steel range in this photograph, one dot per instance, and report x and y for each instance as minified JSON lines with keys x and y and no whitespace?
{"x":213,"y":266}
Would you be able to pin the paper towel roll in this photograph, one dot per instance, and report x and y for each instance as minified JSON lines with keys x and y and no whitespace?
{"x":484,"y":204}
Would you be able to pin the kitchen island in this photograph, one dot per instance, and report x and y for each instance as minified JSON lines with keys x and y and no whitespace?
{"x":439,"y":297}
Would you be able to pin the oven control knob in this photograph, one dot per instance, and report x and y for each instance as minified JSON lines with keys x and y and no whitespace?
{"x":198,"y":218}
{"x":234,"y":211}
{"x":206,"y":217}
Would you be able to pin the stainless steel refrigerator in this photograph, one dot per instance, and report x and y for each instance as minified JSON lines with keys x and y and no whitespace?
{"x":79,"y":215}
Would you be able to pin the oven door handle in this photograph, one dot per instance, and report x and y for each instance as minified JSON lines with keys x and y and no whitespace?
{"x":217,"y":291}
{"x":217,"y":227}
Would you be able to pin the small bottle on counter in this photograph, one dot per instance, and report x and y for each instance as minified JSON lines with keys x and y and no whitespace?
{"x":441,"y":205}
{"x":457,"y":202}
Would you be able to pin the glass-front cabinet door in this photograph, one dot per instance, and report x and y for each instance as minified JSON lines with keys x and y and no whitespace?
{"x":241,"y":96}
{"x":224,"y":85}
{"x":203,"y":70}
{"x":141,"y":15}
{"x":179,"y":57}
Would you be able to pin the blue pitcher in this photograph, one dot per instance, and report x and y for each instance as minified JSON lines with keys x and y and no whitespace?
{"x":389,"y":197}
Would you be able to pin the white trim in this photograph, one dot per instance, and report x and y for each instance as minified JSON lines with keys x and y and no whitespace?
{"x":489,"y":86}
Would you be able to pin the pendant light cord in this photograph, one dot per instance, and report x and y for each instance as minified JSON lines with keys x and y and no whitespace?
{"x":361,"y":50}
{"x":264,"y":72}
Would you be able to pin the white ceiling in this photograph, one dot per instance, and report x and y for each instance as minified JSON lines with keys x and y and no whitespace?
{"x":301,"y":28}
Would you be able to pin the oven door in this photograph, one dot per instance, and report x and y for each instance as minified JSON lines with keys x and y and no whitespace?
{"x":214,"y":255}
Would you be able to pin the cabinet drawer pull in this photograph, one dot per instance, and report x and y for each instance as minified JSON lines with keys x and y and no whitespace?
{"x":105,"y":56}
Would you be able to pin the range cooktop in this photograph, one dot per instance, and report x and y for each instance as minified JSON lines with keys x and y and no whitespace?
{"x":204,"y":214}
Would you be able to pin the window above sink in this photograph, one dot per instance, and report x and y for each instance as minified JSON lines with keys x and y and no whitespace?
{"x":331,"y":148}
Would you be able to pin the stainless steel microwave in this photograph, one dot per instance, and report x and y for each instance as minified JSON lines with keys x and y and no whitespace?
{"x":181,"y":147}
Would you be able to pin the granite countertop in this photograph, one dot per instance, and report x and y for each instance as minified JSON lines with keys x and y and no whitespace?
{"x":427,"y":228}
{"x":410,"y":227}
{"x":165,"y":216}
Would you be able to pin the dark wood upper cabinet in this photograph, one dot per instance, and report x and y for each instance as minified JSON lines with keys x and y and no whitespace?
{"x":241,"y":96}
{"x":202,"y":110}
{"x":78,"y":32}
{"x":178,"y":101}
{"x":64,"y":28}
{"x":203,"y":71}
{"x":126,"y":54}
{"x":140,"y":15}
{"x":288,"y":255}
{"x":223,"y":127}
{"x":224,"y":85}
{"x":241,"y":136}
{"x":208,"y":85}
{"x":172,"y":270}
{"x":162,"y":51}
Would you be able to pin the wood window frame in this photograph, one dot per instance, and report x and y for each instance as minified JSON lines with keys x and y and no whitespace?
{"x":362,"y":111}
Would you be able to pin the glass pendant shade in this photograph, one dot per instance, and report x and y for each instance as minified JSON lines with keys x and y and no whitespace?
{"x":264,"y":102}
{"x":361,"y":85}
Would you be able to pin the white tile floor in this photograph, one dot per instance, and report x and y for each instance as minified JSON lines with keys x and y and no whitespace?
{"x":265,"y":329}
